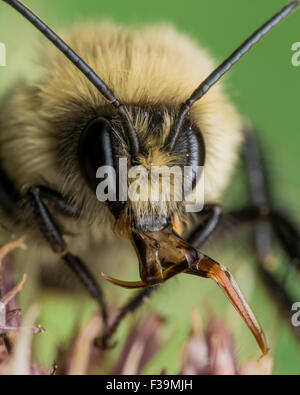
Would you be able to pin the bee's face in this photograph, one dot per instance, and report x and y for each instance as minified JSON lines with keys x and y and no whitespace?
{"x":103,"y":146}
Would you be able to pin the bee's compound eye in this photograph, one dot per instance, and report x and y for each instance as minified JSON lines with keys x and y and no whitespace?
{"x":98,"y":163}
{"x":196,"y":149}
{"x":96,"y":156}
{"x":95,"y":150}
{"x":191,"y":147}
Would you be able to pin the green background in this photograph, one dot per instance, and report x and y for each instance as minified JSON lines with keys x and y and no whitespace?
{"x":265,"y":88}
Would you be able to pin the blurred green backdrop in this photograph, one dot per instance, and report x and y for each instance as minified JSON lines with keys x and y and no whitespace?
{"x":265,"y":88}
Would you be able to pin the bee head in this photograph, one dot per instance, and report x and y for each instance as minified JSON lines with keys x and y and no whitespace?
{"x":171,"y":136}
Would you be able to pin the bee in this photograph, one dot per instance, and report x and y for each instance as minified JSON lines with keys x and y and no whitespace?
{"x":114,"y":93}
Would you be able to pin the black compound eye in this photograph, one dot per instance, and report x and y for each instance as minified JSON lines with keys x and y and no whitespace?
{"x":95,"y":149}
{"x":191,"y":144}
{"x":196,"y":152}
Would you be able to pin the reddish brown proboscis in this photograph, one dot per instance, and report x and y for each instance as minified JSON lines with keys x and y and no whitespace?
{"x":163,"y":254}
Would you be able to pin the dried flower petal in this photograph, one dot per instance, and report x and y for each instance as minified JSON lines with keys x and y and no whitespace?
{"x":221,"y":349}
{"x":13,"y":292}
{"x":195,"y":351}
{"x":9,"y":247}
{"x":79,"y":362}
{"x":21,"y":360}
{"x":142,"y":344}
{"x":262,"y":366}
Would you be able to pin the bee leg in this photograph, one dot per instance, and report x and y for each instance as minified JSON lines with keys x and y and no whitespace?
{"x":267,"y":223}
{"x":288,"y":235}
{"x":128,"y":308}
{"x":53,"y":234}
{"x":59,"y":202}
{"x":289,"y":239}
{"x":209,"y":218}
{"x":270,"y":218}
{"x":279,"y":295}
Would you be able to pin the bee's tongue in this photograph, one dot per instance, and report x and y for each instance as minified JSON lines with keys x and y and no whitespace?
{"x":163,"y":254}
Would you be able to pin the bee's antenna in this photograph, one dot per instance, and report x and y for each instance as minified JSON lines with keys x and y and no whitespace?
{"x":226,"y":66}
{"x":82,"y":66}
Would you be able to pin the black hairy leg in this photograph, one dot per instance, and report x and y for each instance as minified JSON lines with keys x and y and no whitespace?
{"x":53,"y":235}
{"x":272,"y":222}
{"x":128,"y":308}
{"x":209,"y":219}
{"x":59,"y":202}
